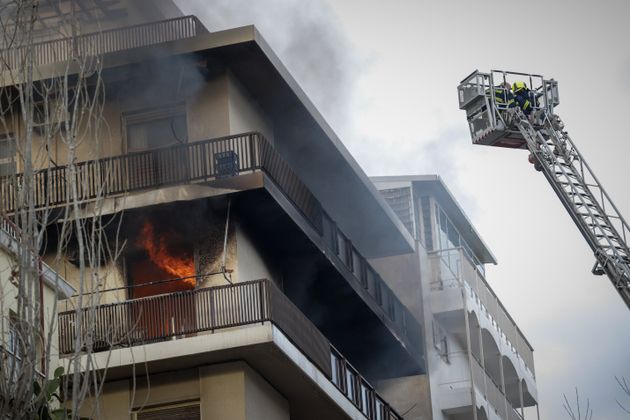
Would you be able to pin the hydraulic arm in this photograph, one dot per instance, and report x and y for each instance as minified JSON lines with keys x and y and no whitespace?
{"x":500,"y":123}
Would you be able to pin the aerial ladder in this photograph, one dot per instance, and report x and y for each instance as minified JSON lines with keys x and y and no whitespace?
{"x":499,"y":123}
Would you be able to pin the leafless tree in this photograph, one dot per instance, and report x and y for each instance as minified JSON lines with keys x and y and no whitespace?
{"x":578,"y":412}
{"x":48,"y":115}
{"x":625,"y":387}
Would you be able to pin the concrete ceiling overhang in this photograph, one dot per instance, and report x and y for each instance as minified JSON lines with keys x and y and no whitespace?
{"x":301,"y":135}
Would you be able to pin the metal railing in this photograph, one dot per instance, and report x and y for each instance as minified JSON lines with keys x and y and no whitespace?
{"x":107,"y":41}
{"x":184,"y":314}
{"x":360,"y":271}
{"x":462,"y":272}
{"x":357,"y":389}
{"x":183,"y":163}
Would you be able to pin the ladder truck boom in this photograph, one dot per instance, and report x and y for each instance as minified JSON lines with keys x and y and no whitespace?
{"x":494,"y":121}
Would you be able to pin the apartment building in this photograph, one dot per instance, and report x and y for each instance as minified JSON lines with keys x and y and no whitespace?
{"x":50,"y":288}
{"x":260,"y":274}
{"x":479,"y":363}
{"x":242,"y":287}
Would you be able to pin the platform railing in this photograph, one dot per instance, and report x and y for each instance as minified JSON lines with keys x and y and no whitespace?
{"x":107,"y":41}
{"x":203,"y":311}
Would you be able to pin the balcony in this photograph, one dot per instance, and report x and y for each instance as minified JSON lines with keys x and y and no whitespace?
{"x":488,"y":389}
{"x":455,"y":270}
{"x":220,"y":160}
{"x":182,"y":315}
{"x":108,"y":41}
{"x":456,"y":390}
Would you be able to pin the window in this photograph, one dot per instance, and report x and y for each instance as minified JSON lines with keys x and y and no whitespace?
{"x":7,"y":155}
{"x":366,"y":401}
{"x":350,"y":383}
{"x":342,"y":248}
{"x":440,"y":341}
{"x":391,"y":307}
{"x":448,"y":237}
{"x":426,"y":222}
{"x":157,"y":127}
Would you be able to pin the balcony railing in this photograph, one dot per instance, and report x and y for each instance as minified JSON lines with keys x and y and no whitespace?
{"x":97,"y":43}
{"x":354,"y":386}
{"x":492,"y":393}
{"x":458,"y":270}
{"x":205,"y":161}
{"x":203,"y":311}
{"x":183,"y":163}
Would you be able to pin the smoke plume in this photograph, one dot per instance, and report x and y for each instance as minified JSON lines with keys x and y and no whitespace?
{"x":307,"y":37}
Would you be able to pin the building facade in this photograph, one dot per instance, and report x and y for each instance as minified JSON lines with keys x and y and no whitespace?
{"x":15,"y":338}
{"x":241,"y":286}
{"x":477,"y":357}
{"x":258,"y":272}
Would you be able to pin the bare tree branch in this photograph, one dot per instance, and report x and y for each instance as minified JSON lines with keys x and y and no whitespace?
{"x":575,"y":413}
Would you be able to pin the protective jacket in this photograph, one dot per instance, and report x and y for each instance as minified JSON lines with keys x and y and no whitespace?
{"x":525,"y":99}
{"x":504,"y":98}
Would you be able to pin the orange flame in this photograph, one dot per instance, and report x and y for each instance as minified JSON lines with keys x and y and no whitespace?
{"x":177,"y":265}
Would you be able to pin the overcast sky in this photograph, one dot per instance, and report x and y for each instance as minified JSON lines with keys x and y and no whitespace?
{"x":385,"y":74}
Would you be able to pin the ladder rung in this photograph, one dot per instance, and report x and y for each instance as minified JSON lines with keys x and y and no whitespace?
{"x":581,"y":194}
{"x":592,"y":206}
{"x":593,"y":225}
{"x":591,"y":215}
{"x":567,"y":174}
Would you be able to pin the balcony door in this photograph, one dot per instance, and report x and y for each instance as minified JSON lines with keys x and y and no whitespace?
{"x":155,"y":140}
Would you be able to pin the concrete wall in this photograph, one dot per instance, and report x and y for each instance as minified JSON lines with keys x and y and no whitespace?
{"x":216,"y":106}
{"x":251,"y":265}
{"x":8,"y":292}
{"x":235,"y":391}
{"x":8,"y":304}
{"x":226,"y":391}
{"x":245,"y":114}
{"x":113,"y":403}
{"x":402,"y":274}
{"x":409,"y":395}
{"x":110,"y":276}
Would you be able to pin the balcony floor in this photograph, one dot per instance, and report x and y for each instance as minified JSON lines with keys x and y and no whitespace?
{"x":263,"y":346}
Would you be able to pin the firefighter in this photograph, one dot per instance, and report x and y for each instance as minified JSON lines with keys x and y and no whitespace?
{"x":503,"y":96}
{"x":524,"y":97}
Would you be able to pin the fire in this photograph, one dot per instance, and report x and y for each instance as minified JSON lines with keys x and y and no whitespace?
{"x":156,"y":247}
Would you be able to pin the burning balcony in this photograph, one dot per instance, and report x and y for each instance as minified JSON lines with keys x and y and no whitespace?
{"x":191,"y":313}
{"x":283,"y":204}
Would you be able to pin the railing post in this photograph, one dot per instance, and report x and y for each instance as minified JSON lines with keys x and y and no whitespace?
{"x":212,"y":309}
{"x":265,"y":312}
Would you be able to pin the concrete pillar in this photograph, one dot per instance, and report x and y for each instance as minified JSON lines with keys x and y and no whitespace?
{"x":235,"y":391}
{"x":482,"y":361}
{"x":520,"y":395}
{"x":501,"y":373}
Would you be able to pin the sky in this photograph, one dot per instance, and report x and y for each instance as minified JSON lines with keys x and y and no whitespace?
{"x":384,"y":74}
